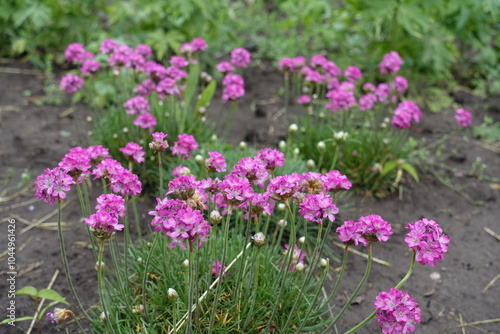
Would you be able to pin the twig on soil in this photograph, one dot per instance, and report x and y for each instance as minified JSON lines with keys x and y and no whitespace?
{"x":490,"y":284}
{"x":16,"y":194}
{"x":41,"y":220}
{"x":480,"y":322}
{"x":14,"y":70}
{"x":382,"y":262}
{"x":42,"y":301}
{"x":4,"y":254}
{"x":48,"y":226}
{"x":490,"y":232}
{"x":66,"y":112}
{"x":17,"y":205}
{"x":462,"y":323}
{"x":24,"y":269}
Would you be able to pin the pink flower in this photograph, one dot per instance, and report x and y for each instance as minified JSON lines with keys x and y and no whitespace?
{"x":71,"y":83}
{"x":232,"y":92}
{"x":111,"y":203}
{"x":312,"y":183}
{"x":397,"y":312}
{"x":159,"y":143}
{"x":217,"y":269}
{"x":181,"y":170}
{"x":75,"y":52}
{"x":136,"y":105}
{"x":367,"y":230}
{"x":331,"y":69}
{"x":144,"y":50}
{"x":145,"y":121}
{"x":240,"y":57}
{"x":252,"y":169}
{"x":426,"y":238}
{"x":108,"y":46}
{"x":178,"y":62}
{"x":316,"y":207}
{"x":97,"y":153}
{"x":103,"y":224}
{"x":183,"y":187}
{"x":51,"y":186}
{"x":198,"y":44}
{"x":259,"y":204}
{"x":340,"y":100}
{"x":383,"y":92}
{"x":215,"y":162}
{"x":366,"y":102}
{"x":353,"y":73}
{"x":369,"y":87}
{"x":224,"y":67}
{"x":134,"y":151}
{"x":185,"y":146}
{"x":120,"y":179}
{"x":286,"y":64}
{"x":318,"y":61}
{"x":176,"y":73}
{"x":89,"y":67}
{"x":76,"y":163}
{"x":405,"y":112}
{"x":463,"y":117}
{"x":400,"y":84}
{"x":145,"y":88}
{"x":233,"y":79}
{"x":312,"y":75}
{"x":272,"y":158}
{"x":235,"y":190}
{"x":280,"y":188}
{"x":391,"y":63}
{"x":186,"y":48}
{"x":335,"y":181}
{"x":167,"y":86}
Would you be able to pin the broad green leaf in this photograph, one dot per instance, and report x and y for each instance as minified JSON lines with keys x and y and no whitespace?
{"x":191,"y":84}
{"x":52,"y":295}
{"x":410,"y":170}
{"x":27,"y":290}
{"x":388,"y":166}
{"x":206,"y":95}
{"x":16,"y":320}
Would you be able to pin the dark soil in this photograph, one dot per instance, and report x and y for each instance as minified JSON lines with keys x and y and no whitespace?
{"x":36,"y":137}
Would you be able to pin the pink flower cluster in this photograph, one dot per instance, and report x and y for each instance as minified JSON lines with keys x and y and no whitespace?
{"x":316,"y":207}
{"x":426,"y":238}
{"x":121,"y":180}
{"x":215,"y":162}
{"x":105,"y":222}
{"x":179,"y":222}
{"x":136,"y":105}
{"x":366,"y":230}
{"x":71,"y":83}
{"x":52,"y":185}
{"x":184,"y":146}
{"x":397,"y":312}
{"x":405,"y":112}
{"x":391,"y":63}
{"x":217,"y":269}
{"x":198,"y":44}
{"x":159,"y":143}
{"x":234,"y":85}
{"x":240,"y":57}
{"x":463,"y":117}
{"x":133,"y":151}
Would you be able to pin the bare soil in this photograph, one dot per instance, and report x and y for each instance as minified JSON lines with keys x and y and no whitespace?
{"x":36,"y":137}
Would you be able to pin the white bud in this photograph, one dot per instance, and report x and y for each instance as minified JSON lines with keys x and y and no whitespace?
{"x":203,"y":119}
{"x":215,"y":217}
{"x":100,"y":265}
{"x":115,"y":135}
{"x":281,"y":207}
{"x":296,"y":151}
{"x":302,"y":240}
{"x":139,"y":260}
{"x":103,"y":317}
{"x":89,"y":119}
{"x":435,"y":276}
{"x":199,"y":159}
{"x":282,"y":145}
{"x":300,"y":266}
{"x":282,"y":223}
{"x":243,"y":145}
{"x":172,"y":294}
{"x":125,"y":129}
{"x":259,"y":239}
{"x":213,"y":138}
{"x":321,"y":146}
{"x":185,"y":263}
{"x":323,"y":263}
{"x":310,"y":164}
{"x":293,"y":128}
{"x":202,"y":110}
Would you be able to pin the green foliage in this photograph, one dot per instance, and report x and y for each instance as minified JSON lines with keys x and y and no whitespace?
{"x":488,"y":130}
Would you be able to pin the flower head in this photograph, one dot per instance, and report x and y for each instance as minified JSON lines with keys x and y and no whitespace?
{"x":59,"y":315}
{"x":367,"y":230}
{"x":159,"y":143}
{"x":71,"y":83}
{"x":272,"y":158}
{"x":76,"y":163}
{"x":184,"y":146}
{"x":426,"y":238}
{"x":397,"y":312}
{"x":240,"y":57}
{"x":145,"y":121}
{"x":52,"y":185}
{"x":233,"y":93}
{"x":215,"y":162}
{"x":298,"y":256}
{"x":316,"y":207}
{"x":89,"y":66}
{"x":391,"y":63}
{"x":133,"y":151}
{"x":136,"y":105}
{"x":280,"y":188}
{"x":75,"y":52}
{"x":335,"y":181}
{"x":225,"y":67}
{"x":463,"y":117}
{"x":353,"y":73}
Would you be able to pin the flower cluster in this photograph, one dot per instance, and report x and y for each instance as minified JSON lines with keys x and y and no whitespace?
{"x":184,"y":146}
{"x":368,"y":229}
{"x":397,"y":312}
{"x":405,"y":112}
{"x":159,"y":143}
{"x":179,"y":222}
{"x":134,"y":151}
{"x":391,"y":63}
{"x":234,"y":85}
{"x":71,"y":83}
{"x":105,"y":222}
{"x":463,"y":117}
{"x":316,"y":207}
{"x":51,"y":186}
{"x":426,"y":238}
{"x":196,"y":45}
{"x":121,"y":180}
{"x":59,"y":315}
{"x":136,"y":105}
{"x":215,"y":162}
{"x":76,"y":163}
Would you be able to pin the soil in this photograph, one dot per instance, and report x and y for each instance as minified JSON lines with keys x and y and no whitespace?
{"x":36,"y":137}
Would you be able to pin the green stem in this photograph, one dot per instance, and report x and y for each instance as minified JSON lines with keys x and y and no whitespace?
{"x":189,"y":323}
{"x":145,"y":276}
{"x":102,"y":288}
{"x":65,"y":261}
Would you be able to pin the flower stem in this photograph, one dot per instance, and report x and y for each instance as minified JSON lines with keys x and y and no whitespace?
{"x":102,"y":288}
{"x":65,"y":262}
{"x":189,"y":323}
{"x":145,"y":276}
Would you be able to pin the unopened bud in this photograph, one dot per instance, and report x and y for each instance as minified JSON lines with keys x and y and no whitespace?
{"x":103,"y":316}
{"x":296,"y":151}
{"x":100,"y":265}
{"x":302,"y":240}
{"x":310,"y":164}
{"x":323,"y":263}
{"x":138,"y":308}
{"x":215,"y":217}
{"x":282,"y":223}
{"x":213,"y":138}
{"x":139,"y":260}
{"x":243,"y":146}
{"x":259,"y":239}
{"x":321,"y":146}
{"x":281,"y":207}
{"x":293,"y":128}
{"x":199,"y":159}
{"x":202,"y":110}
{"x":300,"y":266}
{"x":172,"y":294}
{"x":185,"y":263}
{"x":282,"y":145}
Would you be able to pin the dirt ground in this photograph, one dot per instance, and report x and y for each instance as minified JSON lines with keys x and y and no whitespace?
{"x":36,"y":137}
